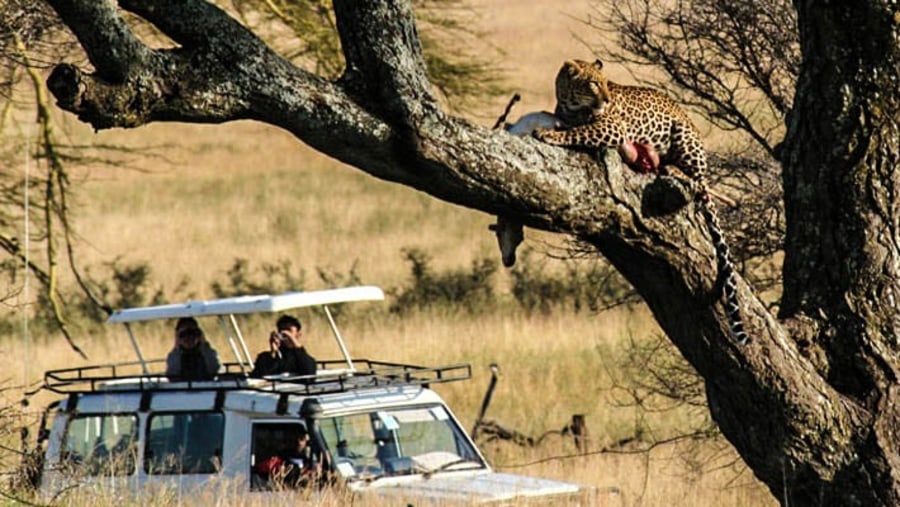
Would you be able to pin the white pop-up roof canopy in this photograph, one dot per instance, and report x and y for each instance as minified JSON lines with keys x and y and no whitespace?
{"x":248,"y":304}
{"x":226,"y":308}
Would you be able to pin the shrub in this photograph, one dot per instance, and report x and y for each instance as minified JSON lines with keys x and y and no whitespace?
{"x":336,"y":279}
{"x":269,"y":278}
{"x":471,"y":290}
{"x":585,"y":284}
{"x":124,"y":286}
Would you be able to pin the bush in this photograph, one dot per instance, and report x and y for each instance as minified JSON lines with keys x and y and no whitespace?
{"x":585,"y":284}
{"x":335,"y":279}
{"x":124,"y":286}
{"x":471,"y":290}
{"x":269,"y":278}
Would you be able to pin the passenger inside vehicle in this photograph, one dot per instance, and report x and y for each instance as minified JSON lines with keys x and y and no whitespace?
{"x":292,"y":465}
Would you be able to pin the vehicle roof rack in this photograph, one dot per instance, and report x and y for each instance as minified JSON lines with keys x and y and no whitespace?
{"x":129,"y":377}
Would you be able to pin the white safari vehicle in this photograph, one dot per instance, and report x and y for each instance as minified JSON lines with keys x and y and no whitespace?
{"x":376,"y":428}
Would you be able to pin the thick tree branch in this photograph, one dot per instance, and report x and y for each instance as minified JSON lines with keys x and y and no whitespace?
{"x":178,"y":20}
{"x":842,"y":259}
{"x":113,"y":51}
{"x":833,"y":268}
{"x":384,"y":57}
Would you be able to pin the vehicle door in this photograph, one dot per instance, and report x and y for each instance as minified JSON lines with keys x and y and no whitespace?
{"x":184,"y":439}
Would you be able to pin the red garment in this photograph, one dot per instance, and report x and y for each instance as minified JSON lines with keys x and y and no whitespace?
{"x":269,"y":465}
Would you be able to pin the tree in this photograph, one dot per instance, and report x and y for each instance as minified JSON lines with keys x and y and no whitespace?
{"x":814,"y":432}
{"x":717,"y":68}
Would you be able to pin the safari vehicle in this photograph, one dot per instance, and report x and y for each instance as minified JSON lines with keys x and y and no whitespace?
{"x":375,"y":427}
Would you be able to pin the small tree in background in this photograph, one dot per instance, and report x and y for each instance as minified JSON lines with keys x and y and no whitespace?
{"x":462,"y":67}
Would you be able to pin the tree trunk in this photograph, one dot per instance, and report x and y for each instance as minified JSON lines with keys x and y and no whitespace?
{"x":842,"y":257}
{"x":817,"y":429}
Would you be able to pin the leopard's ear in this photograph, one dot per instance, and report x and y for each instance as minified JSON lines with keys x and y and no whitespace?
{"x":598,"y":64}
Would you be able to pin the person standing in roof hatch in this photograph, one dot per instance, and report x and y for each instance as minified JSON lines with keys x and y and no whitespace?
{"x":192,"y":357}
{"x":286,"y":353}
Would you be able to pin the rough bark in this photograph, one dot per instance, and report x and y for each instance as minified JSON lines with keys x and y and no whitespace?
{"x":842,"y":258}
{"x":814,"y":434}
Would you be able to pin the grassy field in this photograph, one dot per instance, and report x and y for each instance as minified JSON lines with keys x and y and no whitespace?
{"x":245,"y":190}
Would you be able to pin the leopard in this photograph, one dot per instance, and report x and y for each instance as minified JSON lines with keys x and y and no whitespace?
{"x":651,"y":131}
{"x":598,"y":113}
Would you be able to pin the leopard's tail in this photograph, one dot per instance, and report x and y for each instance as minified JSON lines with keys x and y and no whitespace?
{"x":726,"y":270}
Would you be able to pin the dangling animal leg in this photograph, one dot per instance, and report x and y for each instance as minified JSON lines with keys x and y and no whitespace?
{"x":510,"y":234}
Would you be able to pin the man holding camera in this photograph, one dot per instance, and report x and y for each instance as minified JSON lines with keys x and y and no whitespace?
{"x":286,"y":353}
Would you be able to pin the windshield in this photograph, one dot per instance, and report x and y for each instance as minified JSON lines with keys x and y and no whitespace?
{"x":398,"y":441}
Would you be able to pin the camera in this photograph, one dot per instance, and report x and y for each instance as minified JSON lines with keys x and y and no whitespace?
{"x":283,"y":336}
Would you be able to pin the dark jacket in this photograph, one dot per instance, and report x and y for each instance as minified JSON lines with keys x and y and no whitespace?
{"x":199,"y":363}
{"x":292,"y":361}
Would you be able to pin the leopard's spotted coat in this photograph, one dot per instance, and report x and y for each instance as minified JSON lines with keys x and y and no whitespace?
{"x":598,"y":113}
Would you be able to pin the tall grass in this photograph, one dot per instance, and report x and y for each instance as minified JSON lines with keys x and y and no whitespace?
{"x":265,"y":203}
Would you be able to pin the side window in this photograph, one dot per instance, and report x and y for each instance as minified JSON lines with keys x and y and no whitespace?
{"x":184,"y":443}
{"x":101,"y":444}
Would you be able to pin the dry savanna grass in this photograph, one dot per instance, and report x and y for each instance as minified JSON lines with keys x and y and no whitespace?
{"x":212,"y":194}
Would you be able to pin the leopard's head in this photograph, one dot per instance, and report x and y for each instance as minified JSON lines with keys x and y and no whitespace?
{"x":581,"y":92}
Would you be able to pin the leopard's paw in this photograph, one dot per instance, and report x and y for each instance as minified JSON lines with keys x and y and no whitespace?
{"x":548,"y":136}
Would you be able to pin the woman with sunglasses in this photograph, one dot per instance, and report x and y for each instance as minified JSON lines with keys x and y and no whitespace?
{"x":192,"y":357}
